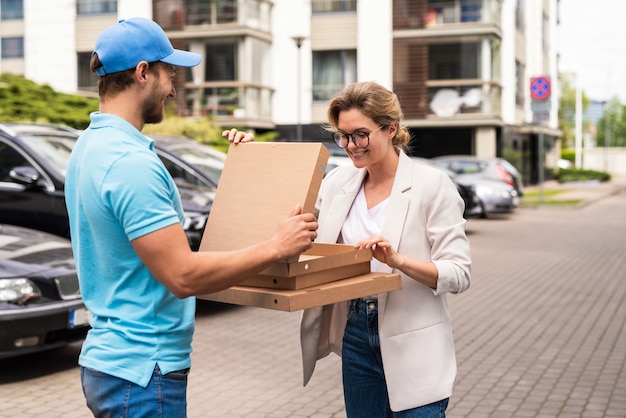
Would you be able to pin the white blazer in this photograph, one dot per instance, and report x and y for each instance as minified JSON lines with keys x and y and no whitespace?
{"x":425,"y":221}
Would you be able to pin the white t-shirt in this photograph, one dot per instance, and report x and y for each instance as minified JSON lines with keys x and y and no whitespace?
{"x":363,"y":222}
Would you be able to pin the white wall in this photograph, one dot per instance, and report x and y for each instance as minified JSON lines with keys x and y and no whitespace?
{"x":134,"y":8}
{"x":49,"y":46}
{"x":611,"y":160}
{"x":291,"y":18}
{"x":49,"y":39}
{"x":375,"y":42}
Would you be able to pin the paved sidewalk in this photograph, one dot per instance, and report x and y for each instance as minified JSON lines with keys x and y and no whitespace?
{"x":586,"y":192}
{"x":540,"y":333}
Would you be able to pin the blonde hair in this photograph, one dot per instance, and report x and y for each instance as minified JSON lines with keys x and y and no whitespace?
{"x":375,"y":102}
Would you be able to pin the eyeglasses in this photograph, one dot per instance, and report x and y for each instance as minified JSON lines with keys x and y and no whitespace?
{"x":359,"y":138}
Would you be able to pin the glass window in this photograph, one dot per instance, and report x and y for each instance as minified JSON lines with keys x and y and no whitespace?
{"x":333,"y":6}
{"x":519,"y":83}
{"x":203,"y":12}
{"x":332,"y":71}
{"x":90,"y":7}
{"x":13,"y":47}
{"x":9,"y":159}
{"x":453,"y":61}
{"x":11,"y":9}
{"x":220,"y":62}
{"x":87,"y":80}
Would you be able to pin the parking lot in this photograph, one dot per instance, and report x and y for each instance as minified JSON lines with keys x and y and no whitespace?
{"x":541,"y":333}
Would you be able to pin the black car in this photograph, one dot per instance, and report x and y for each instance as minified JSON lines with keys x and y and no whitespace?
{"x":40,"y":302}
{"x":188,"y":161}
{"x":33,"y":162}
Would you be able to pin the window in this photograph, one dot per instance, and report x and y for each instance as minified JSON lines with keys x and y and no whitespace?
{"x":220,"y":62}
{"x":9,"y":159}
{"x":333,"y":6}
{"x":519,"y":15}
{"x":203,"y":12}
{"x":87,"y":80}
{"x":332,"y":71}
{"x":92,"y":7}
{"x":519,"y":84}
{"x":12,"y":47}
{"x":11,"y":9}
{"x":453,"y":61}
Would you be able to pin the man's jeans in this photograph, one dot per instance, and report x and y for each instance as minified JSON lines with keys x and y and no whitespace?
{"x":364,"y":387}
{"x":108,"y":396}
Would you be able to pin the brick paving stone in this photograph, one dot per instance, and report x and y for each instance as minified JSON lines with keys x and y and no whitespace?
{"x":540,"y":333}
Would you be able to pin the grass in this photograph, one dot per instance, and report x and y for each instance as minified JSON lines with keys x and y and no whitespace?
{"x":531,"y":198}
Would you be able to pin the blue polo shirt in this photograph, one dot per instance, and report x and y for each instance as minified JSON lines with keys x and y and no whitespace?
{"x":118,"y":190}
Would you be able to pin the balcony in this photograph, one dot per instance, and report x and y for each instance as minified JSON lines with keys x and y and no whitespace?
{"x":446,"y":13}
{"x":231,"y":102}
{"x":454,"y":98}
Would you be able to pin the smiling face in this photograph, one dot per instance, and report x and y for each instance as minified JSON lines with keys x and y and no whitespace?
{"x":380,"y":146}
{"x":153,"y":107}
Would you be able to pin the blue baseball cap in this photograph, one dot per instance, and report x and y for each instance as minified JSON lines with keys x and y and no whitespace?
{"x":124,"y":45}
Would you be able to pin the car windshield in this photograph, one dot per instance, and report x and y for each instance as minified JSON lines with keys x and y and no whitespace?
{"x":200,"y":158}
{"x":55,"y":149}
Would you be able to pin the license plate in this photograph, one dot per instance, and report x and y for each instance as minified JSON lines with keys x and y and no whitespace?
{"x":78,"y":317}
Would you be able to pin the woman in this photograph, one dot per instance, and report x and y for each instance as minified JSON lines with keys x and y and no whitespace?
{"x":397,"y":348}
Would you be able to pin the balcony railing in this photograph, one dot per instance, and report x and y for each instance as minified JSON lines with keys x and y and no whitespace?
{"x":322,"y":6}
{"x":447,"y":12}
{"x":229,"y":99}
{"x":448,"y":98}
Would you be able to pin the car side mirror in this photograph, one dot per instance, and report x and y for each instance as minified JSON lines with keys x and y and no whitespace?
{"x":25,"y":175}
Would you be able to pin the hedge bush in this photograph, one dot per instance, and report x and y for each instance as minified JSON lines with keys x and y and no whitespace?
{"x":564,"y":175}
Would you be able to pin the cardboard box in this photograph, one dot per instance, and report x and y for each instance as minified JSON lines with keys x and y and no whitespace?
{"x":295,"y":300}
{"x":322,"y":263}
{"x":259,"y":186}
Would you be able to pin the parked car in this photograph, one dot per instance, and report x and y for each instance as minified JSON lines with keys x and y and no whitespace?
{"x":338,"y":157}
{"x":497,"y":169}
{"x":189,"y":161}
{"x":33,"y":162}
{"x":473,"y":207}
{"x":40,"y":302}
{"x":498,"y":184}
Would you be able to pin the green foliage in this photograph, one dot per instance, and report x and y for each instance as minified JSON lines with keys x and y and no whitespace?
{"x":564,"y":175}
{"x":568,"y":154}
{"x":567,"y":109}
{"x":612,"y":126}
{"x":24,"y":100}
{"x":202,"y":130}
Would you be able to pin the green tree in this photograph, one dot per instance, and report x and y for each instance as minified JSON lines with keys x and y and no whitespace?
{"x":567,"y":110}
{"x":24,"y":100}
{"x":612,"y":125}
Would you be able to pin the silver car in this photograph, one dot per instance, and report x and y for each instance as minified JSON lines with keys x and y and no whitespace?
{"x":498,"y":184}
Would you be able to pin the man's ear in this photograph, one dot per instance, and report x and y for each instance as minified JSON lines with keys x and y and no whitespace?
{"x":141,"y":71}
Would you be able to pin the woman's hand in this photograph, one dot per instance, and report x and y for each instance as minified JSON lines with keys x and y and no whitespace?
{"x":381,"y":250}
{"x":424,"y":272}
{"x":235,"y":136}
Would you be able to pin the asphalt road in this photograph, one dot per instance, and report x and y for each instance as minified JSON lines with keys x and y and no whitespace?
{"x":540,"y":333}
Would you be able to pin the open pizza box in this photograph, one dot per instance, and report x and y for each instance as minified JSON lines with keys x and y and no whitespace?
{"x":259,"y":186}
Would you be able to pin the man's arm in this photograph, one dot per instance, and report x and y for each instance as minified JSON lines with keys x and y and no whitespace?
{"x":167,"y":255}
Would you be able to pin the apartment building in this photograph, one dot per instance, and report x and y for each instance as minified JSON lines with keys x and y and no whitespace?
{"x":461,"y":68}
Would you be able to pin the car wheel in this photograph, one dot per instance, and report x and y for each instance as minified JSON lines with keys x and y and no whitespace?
{"x":483,"y":211}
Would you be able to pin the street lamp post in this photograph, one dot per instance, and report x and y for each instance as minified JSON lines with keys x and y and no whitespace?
{"x":299,"y":40}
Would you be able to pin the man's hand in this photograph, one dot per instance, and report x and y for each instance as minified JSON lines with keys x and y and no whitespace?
{"x":295,"y":234}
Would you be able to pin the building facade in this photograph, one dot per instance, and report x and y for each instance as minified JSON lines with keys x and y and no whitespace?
{"x":461,"y":68}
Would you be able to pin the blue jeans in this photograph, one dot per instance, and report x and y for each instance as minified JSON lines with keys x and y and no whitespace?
{"x":364,"y":387}
{"x":110,"y":397}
